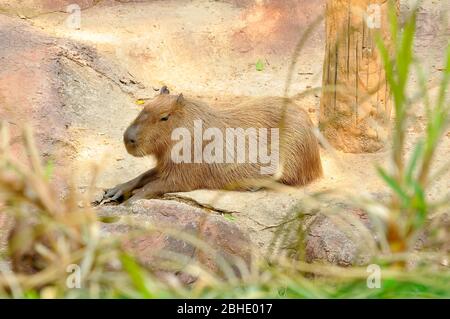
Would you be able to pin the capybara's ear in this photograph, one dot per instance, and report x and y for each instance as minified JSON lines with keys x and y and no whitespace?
{"x":164,"y":90}
{"x":180,"y":99}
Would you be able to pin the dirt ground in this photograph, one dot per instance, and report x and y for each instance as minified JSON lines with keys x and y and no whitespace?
{"x":207,"y":49}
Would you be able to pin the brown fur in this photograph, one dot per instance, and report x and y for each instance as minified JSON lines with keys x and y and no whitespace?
{"x":299,"y":150}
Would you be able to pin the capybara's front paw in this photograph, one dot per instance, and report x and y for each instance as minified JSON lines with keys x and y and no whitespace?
{"x":116,"y":194}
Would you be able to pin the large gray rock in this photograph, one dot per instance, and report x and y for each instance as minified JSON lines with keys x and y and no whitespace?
{"x":259,"y":213}
{"x":169,"y":236}
{"x":281,"y":223}
{"x":337,"y":240}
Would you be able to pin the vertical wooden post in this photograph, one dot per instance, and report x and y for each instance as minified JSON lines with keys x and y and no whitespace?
{"x":355,"y":107}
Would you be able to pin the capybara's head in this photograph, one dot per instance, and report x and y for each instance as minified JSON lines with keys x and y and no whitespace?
{"x":150,"y":133}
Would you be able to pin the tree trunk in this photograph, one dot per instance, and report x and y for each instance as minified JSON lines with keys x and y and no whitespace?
{"x":355,"y":105}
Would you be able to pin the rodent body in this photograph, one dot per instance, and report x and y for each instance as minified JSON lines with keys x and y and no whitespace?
{"x":152,"y":133}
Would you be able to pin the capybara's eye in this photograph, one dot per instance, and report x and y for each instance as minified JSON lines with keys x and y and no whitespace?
{"x":165,"y":118}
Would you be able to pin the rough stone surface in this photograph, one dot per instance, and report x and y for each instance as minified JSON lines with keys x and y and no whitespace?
{"x":57,"y":86}
{"x":258,"y":212}
{"x":167,"y":247}
{"x":342,"y":239}
{"x":330,"y":239}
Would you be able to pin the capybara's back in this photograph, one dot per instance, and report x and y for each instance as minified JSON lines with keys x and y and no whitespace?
{"x":299,"y":156}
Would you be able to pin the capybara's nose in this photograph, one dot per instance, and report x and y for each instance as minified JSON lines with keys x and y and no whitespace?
{"x":130,"y":136}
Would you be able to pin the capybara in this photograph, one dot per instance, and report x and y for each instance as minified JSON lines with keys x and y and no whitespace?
{"x":202,"y":147}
